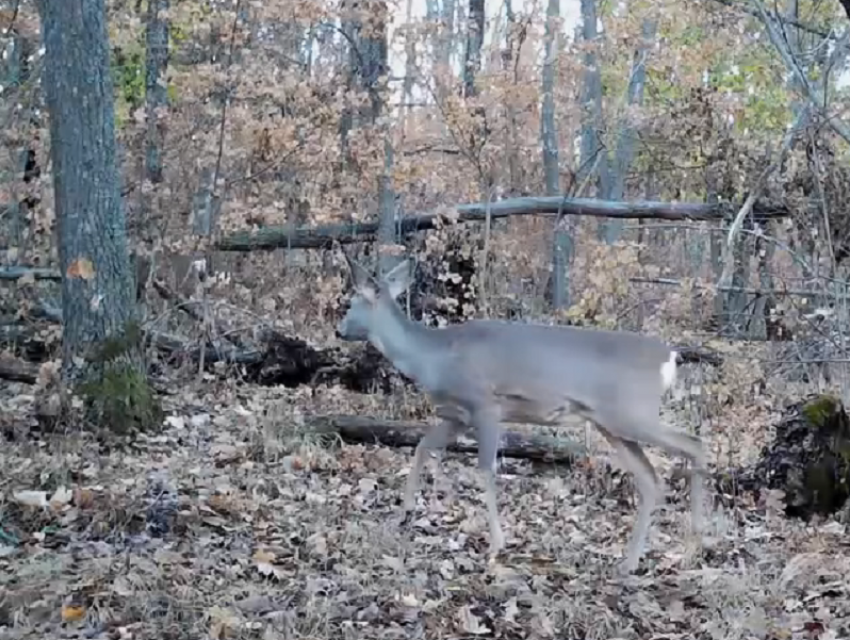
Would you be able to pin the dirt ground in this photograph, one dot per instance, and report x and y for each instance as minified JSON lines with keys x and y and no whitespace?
{"x":236,"y":523}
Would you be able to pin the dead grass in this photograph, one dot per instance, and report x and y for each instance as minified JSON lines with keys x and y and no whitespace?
{"x":237,"y":523}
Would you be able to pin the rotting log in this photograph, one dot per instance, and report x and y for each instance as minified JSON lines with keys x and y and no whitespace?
{"x":16,"y":370}
{"x":408,"y":433}
{"x":808,"y":459}
{"x":268,"y":238}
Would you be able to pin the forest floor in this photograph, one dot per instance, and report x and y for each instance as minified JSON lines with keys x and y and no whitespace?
{"x":235,"y":523}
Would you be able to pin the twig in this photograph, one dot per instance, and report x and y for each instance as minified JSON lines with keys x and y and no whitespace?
{"x":746,"y":208}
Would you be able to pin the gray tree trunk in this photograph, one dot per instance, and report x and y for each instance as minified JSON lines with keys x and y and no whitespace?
{"x":97,"y":283}
{"x":368,"y":58}
{"x":474,"y":42}
{"x":156,"y":91}
{"x":610,"y":230}
{"x":444,"y":42}
{"x":594,"y":156}
{"x":513,"y":43}
{"x":14,"y":73}
{"x":471,"y":68}
{"x":559,"y":289}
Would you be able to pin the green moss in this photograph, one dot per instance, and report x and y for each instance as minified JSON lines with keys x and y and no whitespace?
{"x":128,"y":79}
{"x":121,"y":400}
{"x":116,"y":393}
{"x":121,"y":344}
{"x":818,"y":411}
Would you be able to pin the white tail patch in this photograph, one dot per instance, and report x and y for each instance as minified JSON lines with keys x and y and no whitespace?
{"x":668,"y":371}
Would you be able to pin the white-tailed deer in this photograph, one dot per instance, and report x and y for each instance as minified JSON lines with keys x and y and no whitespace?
{"x":484,"y":372}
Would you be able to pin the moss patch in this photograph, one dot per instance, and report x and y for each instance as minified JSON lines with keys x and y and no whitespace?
{"x":117,"y":395}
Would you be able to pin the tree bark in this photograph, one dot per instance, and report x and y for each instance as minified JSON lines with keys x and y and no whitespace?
{"x":98,"y":293}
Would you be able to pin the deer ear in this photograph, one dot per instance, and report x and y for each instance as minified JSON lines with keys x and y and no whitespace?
{"x":361,"y":279}
{"x":398,"y":280}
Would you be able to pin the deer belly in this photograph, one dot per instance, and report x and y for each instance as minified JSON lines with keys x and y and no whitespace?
{"x":523,"y":408}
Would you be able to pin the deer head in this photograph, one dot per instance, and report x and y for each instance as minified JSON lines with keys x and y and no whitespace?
{"x":373,"y":305}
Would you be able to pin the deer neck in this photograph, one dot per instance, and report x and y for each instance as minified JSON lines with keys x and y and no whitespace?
{"x":407,"y":344}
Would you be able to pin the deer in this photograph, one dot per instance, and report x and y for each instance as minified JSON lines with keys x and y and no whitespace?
{"x":484,"y":372}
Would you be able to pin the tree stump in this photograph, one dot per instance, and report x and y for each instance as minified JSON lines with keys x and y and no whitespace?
{"x":808,"y":459}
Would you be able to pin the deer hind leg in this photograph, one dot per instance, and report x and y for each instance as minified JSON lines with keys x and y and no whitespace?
{"x":690,"y":447}
{"x":646,"y":480}
{"x":437,"y":439}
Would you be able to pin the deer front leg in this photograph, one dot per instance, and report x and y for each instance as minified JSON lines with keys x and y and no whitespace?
{"x":437,"y":438}
{"x":489,"y":433}
{"x":646,"y":482}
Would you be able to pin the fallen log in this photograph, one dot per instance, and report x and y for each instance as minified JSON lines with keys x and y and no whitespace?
{"x":407,"y":433}
{"x":36,"y":273}
{"x":17,"y":371}
{"x":268,"y":238}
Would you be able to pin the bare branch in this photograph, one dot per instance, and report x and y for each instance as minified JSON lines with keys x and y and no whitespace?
{"x":746,"y":208}
{"x":732,"y":4}
{"x":814,"y":94}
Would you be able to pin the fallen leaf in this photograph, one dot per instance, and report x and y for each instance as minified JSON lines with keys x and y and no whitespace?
{"x":73,"y":614}
{"x":83,"y":498}
{"x":31,"y":498}
{"x":175,"y":421}
{"x":224,"y":622}
{"x":61,"y":497}
{"x":264,"y":561}
{"x":121,"y":585}
{"x":394,"y":563}
{"x":511,"y":610}
{"x":471,"y":623}
{"x":409,"y":600}
{"x":319,"y":544}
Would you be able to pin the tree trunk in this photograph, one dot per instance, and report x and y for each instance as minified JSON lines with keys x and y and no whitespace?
{"x":610,"y":230}
{"x":559,"y":289}
{"x":594,"y":156}
{"x":100,"y":353}
{"x":474,"y":41}
{"x":156,"y":92}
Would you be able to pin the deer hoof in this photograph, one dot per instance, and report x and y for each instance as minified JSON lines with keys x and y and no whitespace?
{"x":406,"y":518}
{"x":497,"y":544}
